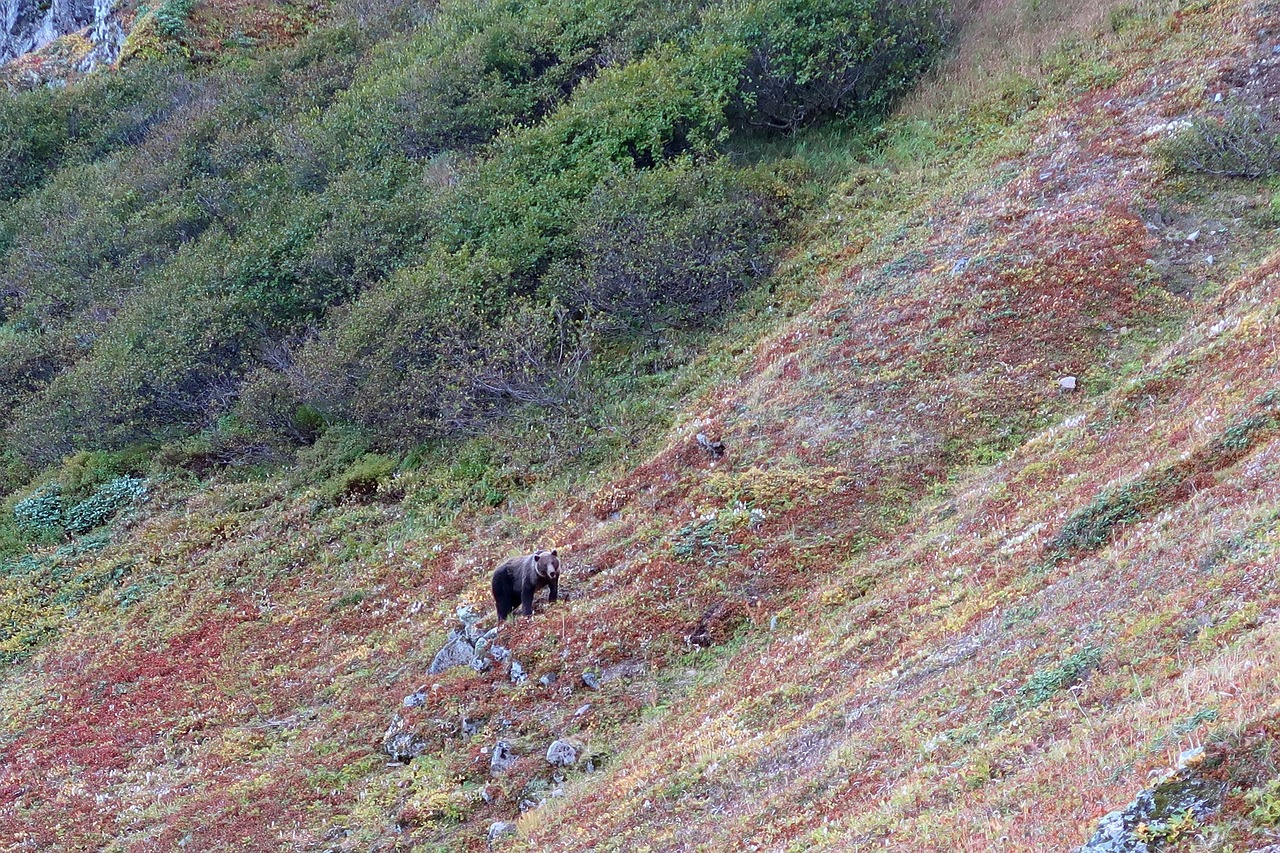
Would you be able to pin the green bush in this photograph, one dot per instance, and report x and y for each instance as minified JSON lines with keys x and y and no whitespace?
{"x":414,"y":239}
{"x":82,"y":474}
{"x":361,"y":480}
{"x":668,"y":248}
{"x":1243,"y":142}
{"x":1043,"y":684}
{"x":41,"y":512}
{"x":105,"y":502}
{"x":804,"y":61}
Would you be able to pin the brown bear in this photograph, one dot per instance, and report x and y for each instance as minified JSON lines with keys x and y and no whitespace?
{"x":516,"y":580}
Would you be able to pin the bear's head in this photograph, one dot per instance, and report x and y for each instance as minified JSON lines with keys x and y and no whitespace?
{"x":547,"y":564}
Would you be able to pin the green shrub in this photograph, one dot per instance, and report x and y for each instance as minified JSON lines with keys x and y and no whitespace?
{"x":473,"y":476}
{"x":41,"y":512}
{"x":1266,"y":804}
{"x":82,"y":474}
{"x":804,"y":61}
{"x":1090,"y":527}
{"x":334,"y":450}
{"x":105,"y":502}
{"x":668,"y":248}
{"x":1243,"y":142}
{"x":171,"y":17}
{"x":360,"y":481}
{"x":1043,"y":684}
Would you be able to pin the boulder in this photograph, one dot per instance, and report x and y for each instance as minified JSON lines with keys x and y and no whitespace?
{"x":1183,"y":791}
{"x":562,"y":753}
{"x":457,"y":652}
{"x":624,"y":670}
{"x":502,"y":758}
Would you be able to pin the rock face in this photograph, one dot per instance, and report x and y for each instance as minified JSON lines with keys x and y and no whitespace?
{"x":467,"y":646}
{"x":27,"y":25}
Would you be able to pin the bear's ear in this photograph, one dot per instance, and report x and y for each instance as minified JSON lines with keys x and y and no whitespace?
{"x":553,"y":552}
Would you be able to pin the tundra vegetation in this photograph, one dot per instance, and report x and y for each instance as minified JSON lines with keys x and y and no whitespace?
{"x":311,"y":313}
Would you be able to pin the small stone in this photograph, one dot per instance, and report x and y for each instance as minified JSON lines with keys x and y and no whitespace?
{"x":561,"y":753}
{"x":482,"y":664}
{"x":1067,"y":383}
{"x":500,"y":653}
{"x":501,"y":829}
{"x":502,"y":759}
{"x":584,"y":709}
{"x":1193,"y":236}
{"x":590,"y":679}
{"x":548,"y":679}
{"x":517,"y":674}
{"x":414,"y":699}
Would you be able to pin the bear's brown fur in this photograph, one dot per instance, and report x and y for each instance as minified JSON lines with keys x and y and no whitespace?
{"x":516,"y":580}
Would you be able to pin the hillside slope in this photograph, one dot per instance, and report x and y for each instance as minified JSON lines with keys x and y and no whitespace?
{"x":929,"y":597}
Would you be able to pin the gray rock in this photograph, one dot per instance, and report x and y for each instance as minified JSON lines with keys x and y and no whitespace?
{"x":590,"y":679}
{"x":517,"y":674}
{"x":1067,"y":383}
{"x":482,"y":664}
{"x":500,"y":653}
{"x":414,"y":699}
{"x":502,"y":758}
{"x":548,"y":679}
{"x":501,"y":829}
{"x":1182,"y":791}
{"x":401,"y":743}
{"x":456,"y":652}
{"x":562,"y":753}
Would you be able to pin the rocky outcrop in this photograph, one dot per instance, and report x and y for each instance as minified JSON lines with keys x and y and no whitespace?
{"x":29,"y":25}
{"x":1162,"y":814}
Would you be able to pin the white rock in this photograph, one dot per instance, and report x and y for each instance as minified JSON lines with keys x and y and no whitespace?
{"x":561,"y":753}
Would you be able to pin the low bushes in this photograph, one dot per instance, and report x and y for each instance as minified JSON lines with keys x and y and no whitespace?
{"x":1242,"y":142}
{"x":419,"y":237}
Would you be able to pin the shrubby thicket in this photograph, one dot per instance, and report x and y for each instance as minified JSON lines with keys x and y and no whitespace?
{"x":411,"y":231}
